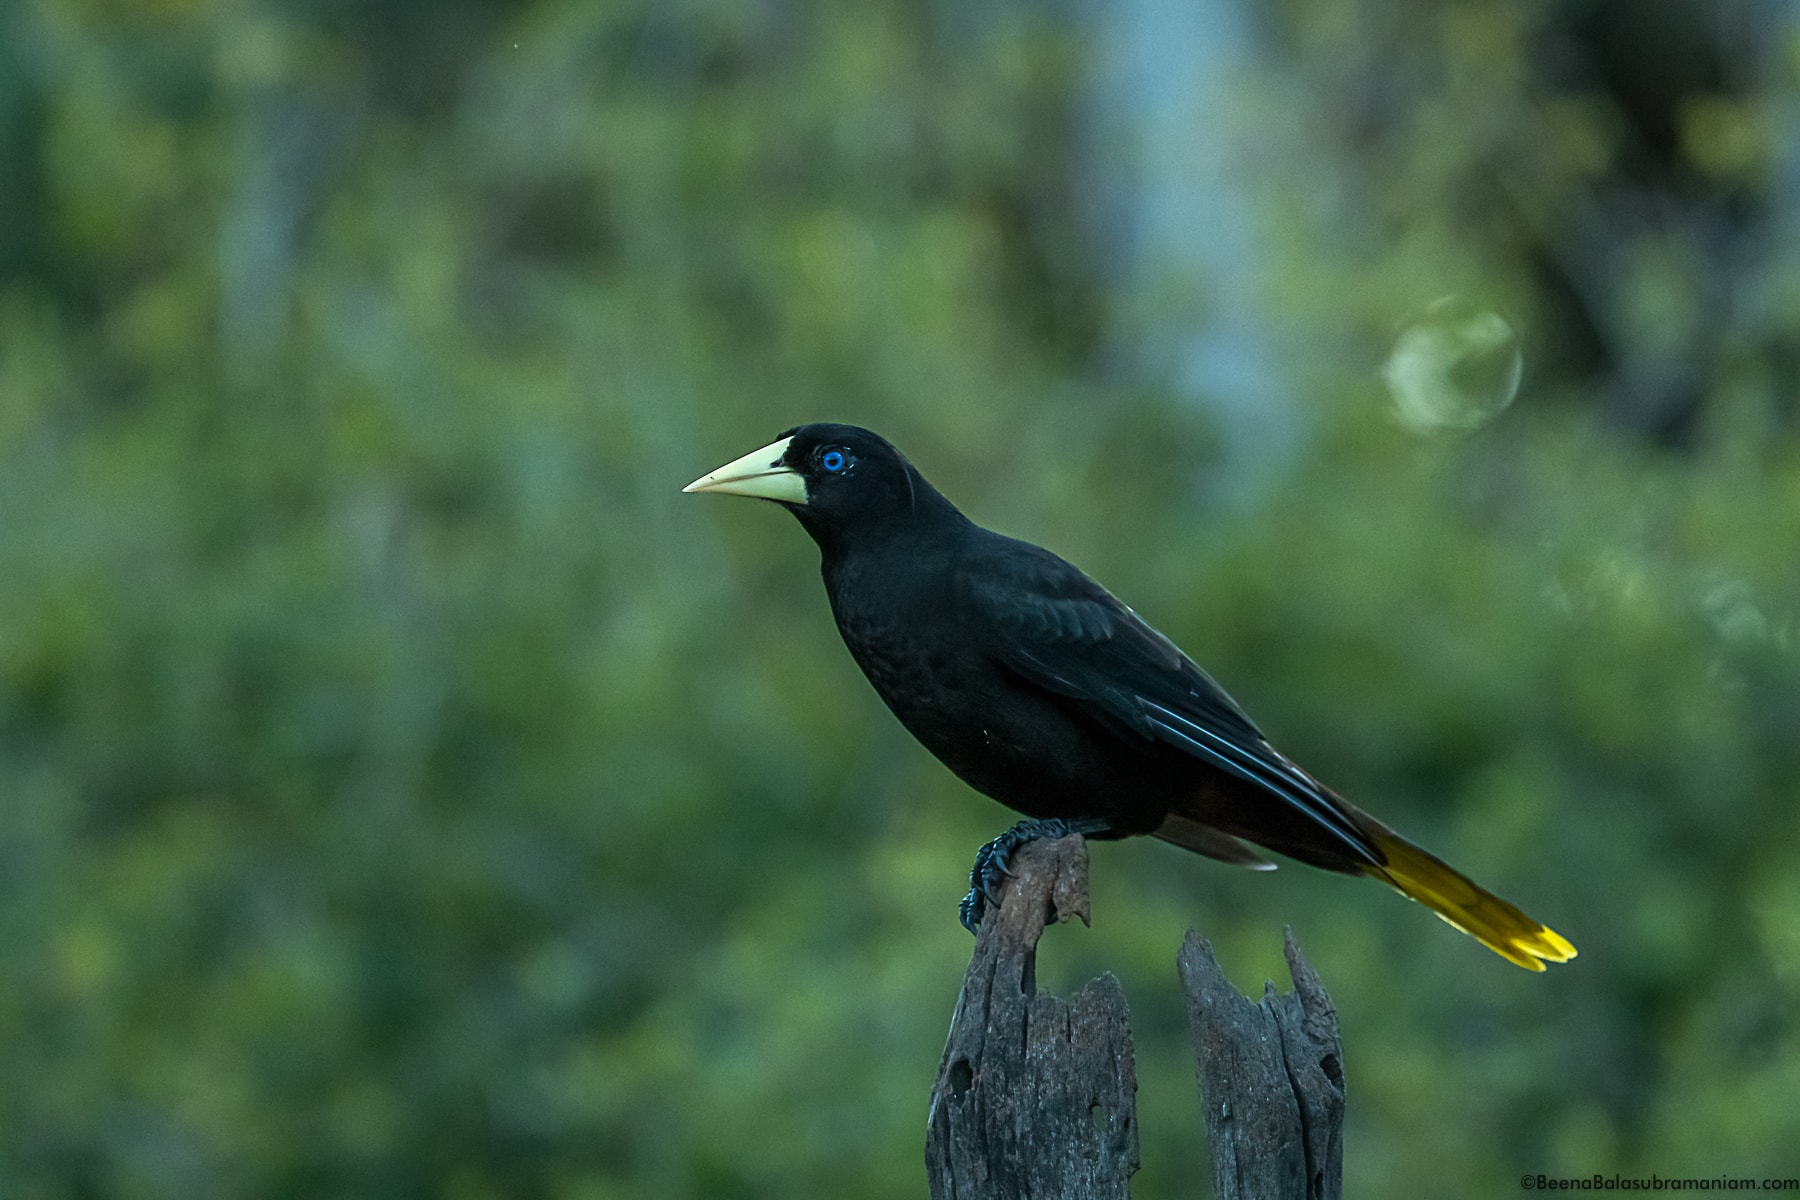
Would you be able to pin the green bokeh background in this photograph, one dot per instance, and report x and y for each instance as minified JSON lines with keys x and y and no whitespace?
{"x":405,"y":791}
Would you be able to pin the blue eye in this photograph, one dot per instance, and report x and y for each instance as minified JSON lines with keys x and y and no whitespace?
{"x":833,"y":460}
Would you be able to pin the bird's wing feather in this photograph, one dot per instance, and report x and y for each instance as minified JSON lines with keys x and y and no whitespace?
{"x":1059,"y":630}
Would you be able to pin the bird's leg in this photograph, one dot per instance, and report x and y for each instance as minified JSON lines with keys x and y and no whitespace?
{"x":993,"y":861}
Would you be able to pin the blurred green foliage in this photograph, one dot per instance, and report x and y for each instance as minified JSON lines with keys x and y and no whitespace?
{"x":404,"y":791}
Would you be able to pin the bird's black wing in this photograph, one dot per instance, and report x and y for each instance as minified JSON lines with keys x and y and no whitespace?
{"x":1051,"y":625}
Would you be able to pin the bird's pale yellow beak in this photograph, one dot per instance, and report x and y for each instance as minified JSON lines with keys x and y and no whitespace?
{"x":760,"y":473}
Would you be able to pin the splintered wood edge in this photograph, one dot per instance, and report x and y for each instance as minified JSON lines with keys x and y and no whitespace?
{"x":1049,"y":885}
{"x":1069,"y":895}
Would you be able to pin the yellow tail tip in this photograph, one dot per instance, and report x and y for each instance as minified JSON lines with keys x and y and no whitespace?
{"x":1464,"y":905}
{"x":1530,"y":950}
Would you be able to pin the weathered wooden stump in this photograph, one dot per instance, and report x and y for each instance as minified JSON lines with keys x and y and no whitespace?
{"x":1036,"y":1096}
{"x":1271,"y":1080}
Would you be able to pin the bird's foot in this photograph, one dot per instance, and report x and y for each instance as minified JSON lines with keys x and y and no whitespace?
{"x":993,"y":862}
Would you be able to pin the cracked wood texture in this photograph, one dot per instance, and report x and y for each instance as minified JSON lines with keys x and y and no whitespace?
{"x":1036,"y":1094}
{"x":1271,"y":1080}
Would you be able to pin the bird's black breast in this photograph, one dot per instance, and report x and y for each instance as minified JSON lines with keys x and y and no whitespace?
{"x":931,"y":657}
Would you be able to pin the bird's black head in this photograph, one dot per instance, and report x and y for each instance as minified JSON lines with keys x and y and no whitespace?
{"x":843,"y":482}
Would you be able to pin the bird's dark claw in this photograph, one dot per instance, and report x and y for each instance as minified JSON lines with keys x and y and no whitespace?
{"x":993,"y":862}
{"x":972,"y":909}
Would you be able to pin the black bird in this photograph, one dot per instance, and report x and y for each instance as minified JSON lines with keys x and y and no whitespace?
{"x":1039,"y":689}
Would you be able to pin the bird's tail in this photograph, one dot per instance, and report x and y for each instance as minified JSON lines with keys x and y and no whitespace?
{"x":1463,"y":904}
